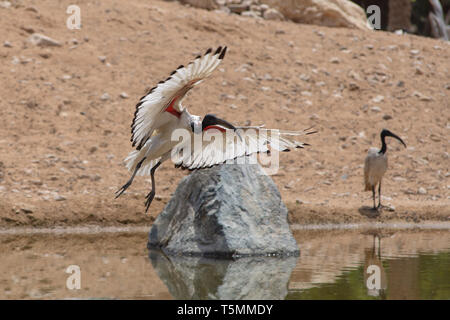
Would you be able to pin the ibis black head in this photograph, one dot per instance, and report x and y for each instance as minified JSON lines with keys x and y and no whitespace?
{"x":387,"y":133}
{"x":212,"y":120}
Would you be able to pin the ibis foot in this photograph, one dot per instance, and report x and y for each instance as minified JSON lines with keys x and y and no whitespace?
{"x":123,"y":188}
{"x":149,"y":200}
{"x":129,"y":182}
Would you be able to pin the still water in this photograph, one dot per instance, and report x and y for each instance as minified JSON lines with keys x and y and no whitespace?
{"x":333,"y":264}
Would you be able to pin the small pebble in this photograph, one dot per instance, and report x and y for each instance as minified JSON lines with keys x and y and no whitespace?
{"x":58,"y":197}
{"x":105,"y":96}
{"x":375,"y":109}
{"x":390,"y":208}
{"x":334,"y":60}
{"x":352,"y":86}
{"x":378,"y":99}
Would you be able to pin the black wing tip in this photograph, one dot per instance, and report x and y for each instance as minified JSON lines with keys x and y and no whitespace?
{"x":222,"y":55}
{"x":307,"y":131}
{"x":139,"y":104}
{"x":208,"y":51}
{"x":147,"y":92}
{"x":218,"y":50}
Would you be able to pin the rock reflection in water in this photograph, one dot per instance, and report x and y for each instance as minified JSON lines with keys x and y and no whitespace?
{"x":259,"y":278}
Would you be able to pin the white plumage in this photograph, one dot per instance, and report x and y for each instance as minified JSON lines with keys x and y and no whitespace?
{"x":375,"y":166}
{"x":221,"y":144}
{"x":150,"y":111}
{"x":159,"y":114}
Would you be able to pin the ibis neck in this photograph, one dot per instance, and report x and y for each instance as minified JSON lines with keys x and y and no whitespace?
{"x":383,"y":145}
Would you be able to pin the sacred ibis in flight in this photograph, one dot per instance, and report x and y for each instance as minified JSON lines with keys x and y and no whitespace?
{"x":160,"y":113}
{"x":376,"y":164}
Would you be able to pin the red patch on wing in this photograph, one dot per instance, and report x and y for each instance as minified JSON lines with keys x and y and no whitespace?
{"x":171,"y":109}
{"x":215,"y":127}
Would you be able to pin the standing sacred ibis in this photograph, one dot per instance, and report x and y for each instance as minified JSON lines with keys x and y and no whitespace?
{"x":376,"y":164}
{"x":160,"y":114}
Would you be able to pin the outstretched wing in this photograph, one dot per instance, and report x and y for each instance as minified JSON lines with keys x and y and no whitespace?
{"x":167,"y":95}
{"x":219,"y":145}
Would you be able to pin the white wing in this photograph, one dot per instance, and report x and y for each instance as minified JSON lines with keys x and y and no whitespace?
{"x":167,"y":95}
{"x":220,"y":146}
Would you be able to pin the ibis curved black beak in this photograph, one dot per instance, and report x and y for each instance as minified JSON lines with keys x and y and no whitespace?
{"x":393,"y":135}
{"x":212,"y":120}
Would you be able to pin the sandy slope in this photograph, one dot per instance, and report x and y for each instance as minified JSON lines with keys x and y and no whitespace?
{"x":62,"y":145}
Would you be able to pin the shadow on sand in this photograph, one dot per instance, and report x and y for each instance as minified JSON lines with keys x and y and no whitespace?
{"x":369,"y":212}
{"x":259,"y":278}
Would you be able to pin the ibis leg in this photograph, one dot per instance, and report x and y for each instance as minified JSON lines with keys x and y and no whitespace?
{"x":373,"y":195}
{"x":379,"y":195}
{"x":126,"y":185}
{"x":379,"y":247}
{"x":152,"y":193}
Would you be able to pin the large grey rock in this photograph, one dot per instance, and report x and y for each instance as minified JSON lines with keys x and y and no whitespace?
{"x":330,"y":13}
{"x":203,"y":4}
{"x":255,"y":278}
{"x":225,"y":211}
